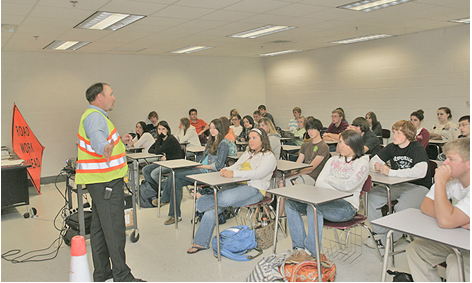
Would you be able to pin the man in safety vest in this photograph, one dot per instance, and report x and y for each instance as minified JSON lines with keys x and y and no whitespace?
{"x":101,"y":166}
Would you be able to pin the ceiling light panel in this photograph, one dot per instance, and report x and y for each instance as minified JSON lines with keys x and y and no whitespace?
{"x":462,"y":21}
{"x":190,"y":49}
{"x":108,"y":21}
{"x":261,"y":31}
{"x":372,"y":5}
{"x":66,"y":45}
{"x":362,"y":38}
{"x":279,"y":52}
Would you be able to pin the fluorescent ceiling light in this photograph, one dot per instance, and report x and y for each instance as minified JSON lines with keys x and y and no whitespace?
{"x":9,"y":28}
{"x":190,"y":49}
{"x":265,"y":30}
{"x":108,"y":21}
{"x":462,"y":21}
{"x":372,"y":5}
{"x":362,"y":38}
{"x":66,"y":45}
{"x":279,"y":52}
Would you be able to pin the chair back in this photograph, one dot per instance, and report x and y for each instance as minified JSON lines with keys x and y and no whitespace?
{"x":385,"y":133}
{"x":367,"y":185}
{"x":184,"y":150}
{"x":432,"y":168}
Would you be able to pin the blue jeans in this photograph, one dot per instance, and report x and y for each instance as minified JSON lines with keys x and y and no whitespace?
{"x":180,"y":181}
{"x":334,"y":211}
{"x":237,"y":196}
{"x":151,"y":173}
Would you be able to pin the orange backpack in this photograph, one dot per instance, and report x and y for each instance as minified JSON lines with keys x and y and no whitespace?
{"x":307,"y":271}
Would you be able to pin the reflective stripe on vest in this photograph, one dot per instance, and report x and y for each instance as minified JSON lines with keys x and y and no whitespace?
{"x":93,"y":167}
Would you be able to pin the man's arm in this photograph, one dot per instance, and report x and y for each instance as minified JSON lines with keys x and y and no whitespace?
{"x":447,"y":215}
{"x":204,"y":129}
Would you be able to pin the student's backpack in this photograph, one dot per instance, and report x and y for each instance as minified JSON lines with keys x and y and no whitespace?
{"x":400,"y":276}
{"x":235,"y":242}
{"x":233,"y":150}
{"x":146,"y":192}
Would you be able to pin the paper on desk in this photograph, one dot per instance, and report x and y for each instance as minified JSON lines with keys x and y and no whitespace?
{"x":6,"y":162}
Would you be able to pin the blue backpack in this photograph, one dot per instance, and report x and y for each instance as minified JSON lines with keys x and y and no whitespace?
{"x":235,"y":242}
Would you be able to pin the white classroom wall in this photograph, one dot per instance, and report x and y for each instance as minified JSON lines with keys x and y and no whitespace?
{"x":392,"y":77}
{"x":49,"y":90}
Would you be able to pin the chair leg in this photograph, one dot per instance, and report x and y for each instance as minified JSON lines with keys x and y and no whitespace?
{"x":372,"y":237}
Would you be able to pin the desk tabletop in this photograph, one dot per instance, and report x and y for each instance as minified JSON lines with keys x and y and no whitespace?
{"x":388,"y":180}
{"x":134,"y":149}
{"x":309,"y":194}
{"x":287,"y":139}
{"x":237,"y":156}
{"x":412,"y":221}
{"x":288,"y":147}
{"x":196,"y":148}
{"x":285,"y":165}
{"x":438,"y":141}
{"x":177,"y":163}
{"x":142,"y":155}
{"x":328,"y":142}
{"x":242,"y":142}
{"x":215,"y":179}
{"x":184,"y":143}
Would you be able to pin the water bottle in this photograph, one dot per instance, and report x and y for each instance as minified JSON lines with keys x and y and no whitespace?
{"x":264,"y":221}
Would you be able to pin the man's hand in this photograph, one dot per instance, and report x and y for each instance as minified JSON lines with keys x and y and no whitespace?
{"x":163,"y":158}
{"x":126,"y":138}
{"x":443,"y":174}
{"x":384,"y":170}
{"x":226,"y":173}
{"x":377,"y":166}
{"x":107,"y":151}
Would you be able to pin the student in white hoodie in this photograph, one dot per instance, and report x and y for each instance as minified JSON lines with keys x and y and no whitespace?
{"x":258,"y":164}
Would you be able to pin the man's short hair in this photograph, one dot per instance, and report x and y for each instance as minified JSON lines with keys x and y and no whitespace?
{"x":313,"y":124}
{"x":257,"y":112}
{"x":339,"y":112}
{"x":460,"y":146}
{"x":92,"y":92}
{"x":298,"y":109}
{"x":153,"y":114}
{"x":237,"y":116}
{"x":192,"y":110}
{"x":262,"y":106}
{"x":463,"y":118}
{"x":362,"y":123}
{"x":407,"y":128}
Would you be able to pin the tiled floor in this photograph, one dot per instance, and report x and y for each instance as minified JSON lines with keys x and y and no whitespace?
{"x":159,"y":255}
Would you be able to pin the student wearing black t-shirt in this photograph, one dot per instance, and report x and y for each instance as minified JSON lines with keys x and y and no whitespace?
{"x":408,"y":158}
{"x":371,"y":142}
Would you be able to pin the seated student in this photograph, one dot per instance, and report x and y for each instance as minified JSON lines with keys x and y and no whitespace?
{"x":152,"y":128}
{"x":236,"y":125}
{"x":337,"y":126}
{"x":451,"y":181}
{"x":233,"y":112}
{"x":344,"y":114}
{"x":257,"y":117}
{"x":314,"y":152}
{"x":256,"y":163}
{"x":407,"y":158}
{"x":306,"y":136}
{"x":187,"y":133}
{"x":167,"y":145}
{"x":263,"y":110}
{"x":293,"y":123}
{"x":445,"y":129}
{"x":229,"y":134}
{"x":143,"y":138}
{"x":199,"y":124}
{"x":249,"y":124}
{"x":374,"y":124}
{"x":422,"y":135}
{"x":348,"y":173}
{"x":464,"y":126}
{"x":371,"y":142}
{"x":214,"y":158}
{"x":274,"y":137}
{"x":299,"y":133}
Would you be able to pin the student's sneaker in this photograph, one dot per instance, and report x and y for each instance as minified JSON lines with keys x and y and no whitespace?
{"x":171,"y":220}
{"x":375,"y":242}
{"x":300,"y":255}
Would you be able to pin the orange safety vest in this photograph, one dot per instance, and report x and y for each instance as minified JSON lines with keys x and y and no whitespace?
{"x":94,"y":168}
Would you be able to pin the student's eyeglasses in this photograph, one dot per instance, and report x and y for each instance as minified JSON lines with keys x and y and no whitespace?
{"x":334,"y":116}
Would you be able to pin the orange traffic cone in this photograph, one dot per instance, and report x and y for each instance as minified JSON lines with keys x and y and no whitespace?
{"x":79,"y":268}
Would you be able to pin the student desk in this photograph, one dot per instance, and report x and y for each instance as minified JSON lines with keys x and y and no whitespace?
{"x":135,"y":158}
{"x":311,"y":195}
{"x":237,"y":156}
{"x":213,"y":179}
{"x":134,"y":149}
{"x":285,"y":166}
{"x":287,"y":148}
{"x":172,"y":164}
{"x":412,"y":221}
{"x":439,"y":142}
{"x":196,"y":149}
{"x":388,"y":181}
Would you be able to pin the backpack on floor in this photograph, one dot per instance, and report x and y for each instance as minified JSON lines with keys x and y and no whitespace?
{"x":146,"y":192}
{"x":400,"y":276}
{"x":307,"y":271}
{"x":235,"y":242}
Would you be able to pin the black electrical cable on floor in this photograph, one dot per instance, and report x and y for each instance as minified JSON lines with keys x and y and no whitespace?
{"x":19,"y":258}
